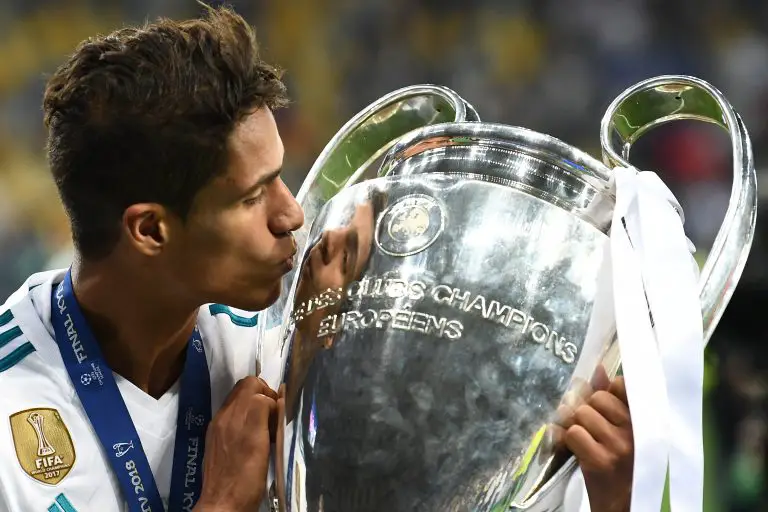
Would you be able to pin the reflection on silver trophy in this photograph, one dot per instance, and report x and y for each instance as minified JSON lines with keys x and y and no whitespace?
{"x":439,"y":314}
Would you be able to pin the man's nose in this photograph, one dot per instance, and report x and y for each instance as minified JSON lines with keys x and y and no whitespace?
{"x":287,"y":215}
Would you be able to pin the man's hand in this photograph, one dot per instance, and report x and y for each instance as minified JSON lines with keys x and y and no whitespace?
{"x":599,"y":434}
{"x":237,"y":449}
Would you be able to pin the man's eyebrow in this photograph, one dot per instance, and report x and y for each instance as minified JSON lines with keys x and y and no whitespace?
{"x":267,"y":178}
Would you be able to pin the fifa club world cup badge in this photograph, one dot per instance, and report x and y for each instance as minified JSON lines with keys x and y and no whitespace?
{"x":43,"y":445}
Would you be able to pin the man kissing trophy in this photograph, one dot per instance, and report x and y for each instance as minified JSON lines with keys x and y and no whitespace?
{"x":462,"y":280}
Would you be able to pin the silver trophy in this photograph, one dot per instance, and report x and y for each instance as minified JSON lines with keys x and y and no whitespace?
{"x":439,"y":314}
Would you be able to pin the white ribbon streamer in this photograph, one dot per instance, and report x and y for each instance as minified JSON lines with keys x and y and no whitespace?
{"x":662,"y":353}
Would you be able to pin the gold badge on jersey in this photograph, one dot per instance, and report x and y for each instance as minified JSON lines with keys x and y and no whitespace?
{"x":43,"y":444}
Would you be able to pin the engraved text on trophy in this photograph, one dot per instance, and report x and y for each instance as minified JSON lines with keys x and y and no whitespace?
{"x":406,"y":316}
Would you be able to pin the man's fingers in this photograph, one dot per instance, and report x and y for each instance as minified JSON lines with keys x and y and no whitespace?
{"x":262,"y":412}
{"x":615,"y":442}
{"x":555,"y":436}
{"x":573,"y":398}
{"x":600,"y":380}
{"x":587,"y":450}
{"x":611,"y":407}
{"x":239,"y":387}
{"x":279,"y":444}
{"x":266,"y":390}
{"x":618,"y":389}
{"x":250,"y":386}
{"x":598,"y":427}
{"x":564,"y":415}
{"x":274,"y":420}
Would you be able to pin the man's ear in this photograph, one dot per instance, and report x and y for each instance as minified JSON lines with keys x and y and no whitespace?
{"x":147,"y":227}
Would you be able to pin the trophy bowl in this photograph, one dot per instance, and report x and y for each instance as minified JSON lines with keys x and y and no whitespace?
{"x":443,"y":312}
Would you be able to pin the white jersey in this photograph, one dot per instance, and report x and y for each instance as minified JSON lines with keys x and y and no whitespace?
{"x":50,"y":457}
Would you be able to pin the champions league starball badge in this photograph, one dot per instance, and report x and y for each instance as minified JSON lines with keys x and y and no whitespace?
{"x":410,"y":225}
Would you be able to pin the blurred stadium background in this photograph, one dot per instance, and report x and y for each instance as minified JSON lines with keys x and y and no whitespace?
{"x":547,"y":65}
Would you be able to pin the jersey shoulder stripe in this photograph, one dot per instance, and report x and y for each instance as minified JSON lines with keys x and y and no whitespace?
{"x":13,"y":347}
{"x":61,"y":504}
{"x":239,"y":320}
{"x":6,"y":318}
{"x":8,"y":336}
{"x":16,"y":356}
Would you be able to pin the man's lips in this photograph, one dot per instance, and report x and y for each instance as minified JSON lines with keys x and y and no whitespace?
{"x":289,"y":261}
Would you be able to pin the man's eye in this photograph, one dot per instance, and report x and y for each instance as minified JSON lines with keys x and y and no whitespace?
{"x":256,"y":199}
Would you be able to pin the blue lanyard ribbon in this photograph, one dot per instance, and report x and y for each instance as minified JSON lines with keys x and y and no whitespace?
{"x":109,"y":416}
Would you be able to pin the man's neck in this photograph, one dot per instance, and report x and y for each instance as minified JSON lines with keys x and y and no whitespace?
{"x":141,"y":330}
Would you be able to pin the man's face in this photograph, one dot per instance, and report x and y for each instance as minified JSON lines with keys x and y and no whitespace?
{"x":339,"y":256}
{"x":236,"y":244}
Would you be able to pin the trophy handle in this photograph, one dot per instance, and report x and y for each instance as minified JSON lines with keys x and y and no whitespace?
{"x":370,"y":133}
{"x":663,"y":99}
{"x":640,"y":108}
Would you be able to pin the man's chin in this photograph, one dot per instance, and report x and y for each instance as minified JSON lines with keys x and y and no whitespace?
{"x":257,"y":300}
{"x":274,"y":294}
{"x":267,"y":297}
